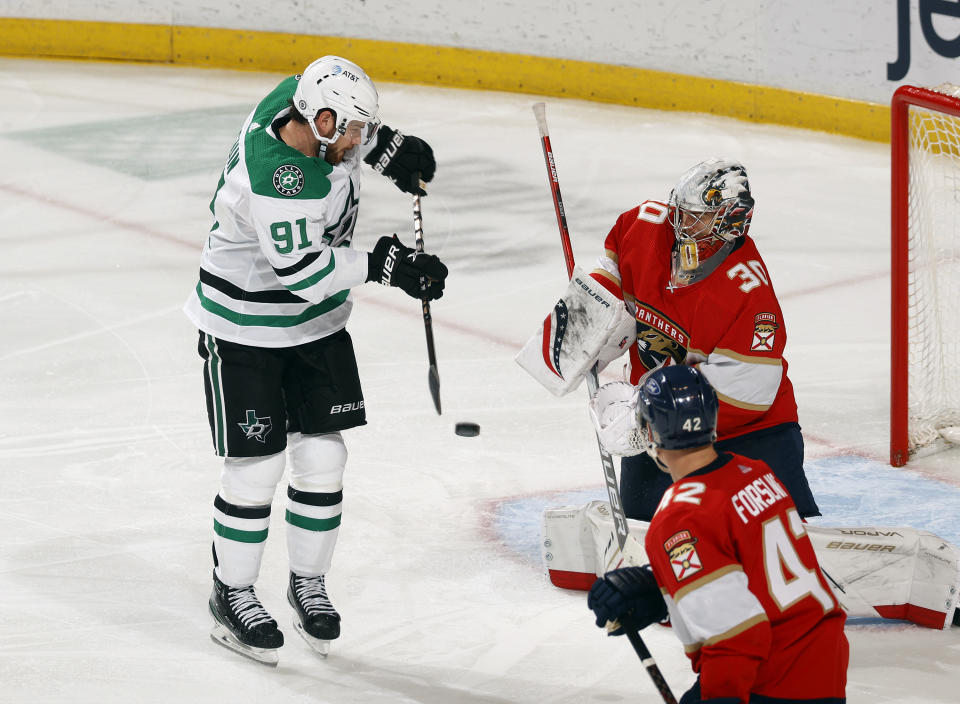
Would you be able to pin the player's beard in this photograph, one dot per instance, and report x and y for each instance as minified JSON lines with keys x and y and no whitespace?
{"x":335,"y":155}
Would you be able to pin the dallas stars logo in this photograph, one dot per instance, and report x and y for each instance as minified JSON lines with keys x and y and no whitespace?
{"x":288,"y":180}
{"x":256,"y":428}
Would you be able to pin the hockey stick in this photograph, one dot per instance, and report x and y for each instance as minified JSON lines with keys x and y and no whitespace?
{"x":609,"y":473}
{"x":433,"y":375}
{"x":646,"y":659}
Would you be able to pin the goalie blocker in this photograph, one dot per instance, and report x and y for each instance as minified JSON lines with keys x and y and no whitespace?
{"x":588,"y":325}
{"x":885,"y":572}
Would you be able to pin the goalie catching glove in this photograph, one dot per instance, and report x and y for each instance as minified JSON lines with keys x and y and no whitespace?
{"x":588,"y":325}
{"x":613,"y":411}
{"x":419,"y":275}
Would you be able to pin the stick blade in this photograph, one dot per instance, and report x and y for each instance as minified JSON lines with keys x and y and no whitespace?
{"x":433,"y":379}
{"x":540,"y":112}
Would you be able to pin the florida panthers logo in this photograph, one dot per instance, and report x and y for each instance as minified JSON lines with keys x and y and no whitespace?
{"x":288,"y":180}
{"x":658,"y":338}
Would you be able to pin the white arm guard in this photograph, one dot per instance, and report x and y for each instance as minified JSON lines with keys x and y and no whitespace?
{"x":614,"y":414}
{"x":588,"y":324}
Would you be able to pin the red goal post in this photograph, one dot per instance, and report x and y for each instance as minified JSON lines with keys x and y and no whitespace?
{"x":925,"y":274}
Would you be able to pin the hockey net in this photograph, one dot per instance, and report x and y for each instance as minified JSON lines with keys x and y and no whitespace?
{"x":925,"y":312}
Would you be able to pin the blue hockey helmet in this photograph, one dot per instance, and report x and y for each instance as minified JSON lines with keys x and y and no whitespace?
{"x":677,"y":408}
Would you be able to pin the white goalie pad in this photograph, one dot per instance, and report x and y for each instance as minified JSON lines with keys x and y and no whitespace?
{"x":579,"y":543}
{"x":587,"y":325}
{"x":899,"y":573}
{"x":894,"y":573}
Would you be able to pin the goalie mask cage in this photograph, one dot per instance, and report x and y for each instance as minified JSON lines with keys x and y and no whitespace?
{"x":925,"y":275}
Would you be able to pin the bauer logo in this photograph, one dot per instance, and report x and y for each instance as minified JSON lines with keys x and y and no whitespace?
{"x":288,"y":180}
{"x":346,"y":407}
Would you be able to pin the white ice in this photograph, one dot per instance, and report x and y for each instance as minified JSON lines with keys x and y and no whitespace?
{"x":107,"y":471}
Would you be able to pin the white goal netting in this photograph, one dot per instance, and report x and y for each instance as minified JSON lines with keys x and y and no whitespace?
{"x":933,"y":252}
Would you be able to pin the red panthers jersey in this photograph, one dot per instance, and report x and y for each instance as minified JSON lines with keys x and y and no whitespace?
{"x":743,"y":587}
{"x":730,"y":321}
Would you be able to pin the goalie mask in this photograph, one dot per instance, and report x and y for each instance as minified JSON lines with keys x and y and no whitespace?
{"x":335,"y":84}
{"x":709,"y":208}
{"x":676,"y":409}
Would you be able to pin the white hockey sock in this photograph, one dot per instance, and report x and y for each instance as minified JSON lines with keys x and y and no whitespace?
{"x":314,"y":501}
{"x":241,"y":516}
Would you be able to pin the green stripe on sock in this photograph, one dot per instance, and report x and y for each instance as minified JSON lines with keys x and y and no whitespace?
{"x":240,"y":536}
{"x":318,"y":524}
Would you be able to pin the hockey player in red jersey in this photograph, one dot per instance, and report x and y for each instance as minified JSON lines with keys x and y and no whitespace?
{"x":730,"y":563}
{"x":701,"y":294}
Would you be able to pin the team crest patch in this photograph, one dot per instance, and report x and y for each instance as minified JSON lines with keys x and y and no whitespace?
{"x":288,"y":180}
{"x":764,"y":330}
{"x":683,"y":555}
{"x":256,"y":428}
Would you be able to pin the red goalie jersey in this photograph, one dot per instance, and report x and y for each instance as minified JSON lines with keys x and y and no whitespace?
{"x":743,"y":587}
{"x":730,"y":321}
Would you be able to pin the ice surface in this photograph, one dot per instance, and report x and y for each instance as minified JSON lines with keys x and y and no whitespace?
{"x":107,"y":471}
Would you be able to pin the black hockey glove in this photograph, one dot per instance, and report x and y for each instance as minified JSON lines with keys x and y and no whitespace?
{"x":629,"y":595}
{"x":394,"y":264}
{"x":404,"y":159}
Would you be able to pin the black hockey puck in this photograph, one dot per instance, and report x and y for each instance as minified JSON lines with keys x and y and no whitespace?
{"x":467,"y":430}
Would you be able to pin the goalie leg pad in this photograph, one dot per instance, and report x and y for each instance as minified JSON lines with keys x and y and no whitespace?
{"x":579,"y":544}
{"x":894,"y":573}
{"x":898,"y":573}
{"x":588,"y":324}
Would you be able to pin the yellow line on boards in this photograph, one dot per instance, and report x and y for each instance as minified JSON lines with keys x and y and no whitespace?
{"x":443,"y":66}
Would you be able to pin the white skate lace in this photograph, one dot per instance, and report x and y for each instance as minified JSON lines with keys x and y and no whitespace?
{"x":312,"y":595}
{"x":247,"y":607}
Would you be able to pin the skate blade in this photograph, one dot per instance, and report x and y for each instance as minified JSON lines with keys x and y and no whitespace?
{"x":221,"y":635}
{"x":321,"y":647}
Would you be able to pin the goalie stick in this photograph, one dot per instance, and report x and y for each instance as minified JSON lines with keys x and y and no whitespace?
{"x":433,"y":375}
{"x":609,"y":473}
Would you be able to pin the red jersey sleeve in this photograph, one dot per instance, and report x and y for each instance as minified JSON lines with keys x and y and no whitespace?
{"x":607,"y":272}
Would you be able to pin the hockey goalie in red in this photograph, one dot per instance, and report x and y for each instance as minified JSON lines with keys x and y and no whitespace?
{"x":701,"y":294}
{"x":730,"y":563}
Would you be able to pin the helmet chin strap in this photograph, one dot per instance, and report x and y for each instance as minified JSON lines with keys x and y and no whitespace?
{"x":655,"y":456}
{"x":324,"y":142}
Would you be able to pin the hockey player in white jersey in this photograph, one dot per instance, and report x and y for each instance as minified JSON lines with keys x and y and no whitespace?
{"x":272,"y":304}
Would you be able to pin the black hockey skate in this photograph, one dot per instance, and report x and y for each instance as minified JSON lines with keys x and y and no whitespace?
{"x":315,"y":619}
{"x":242,"y":624}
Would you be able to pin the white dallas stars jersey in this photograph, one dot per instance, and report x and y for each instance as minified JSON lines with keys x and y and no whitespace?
{"x":277,"y":267}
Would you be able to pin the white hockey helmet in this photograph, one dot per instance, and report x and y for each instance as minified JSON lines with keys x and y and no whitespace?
{"x":334,"y":83}
{"x":709,"y":208}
